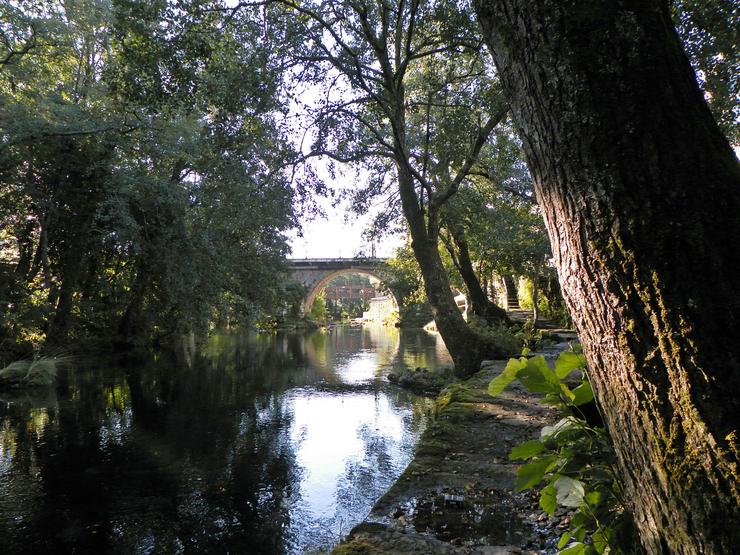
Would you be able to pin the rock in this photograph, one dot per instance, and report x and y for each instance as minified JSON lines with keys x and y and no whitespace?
{"x":453,"y":499}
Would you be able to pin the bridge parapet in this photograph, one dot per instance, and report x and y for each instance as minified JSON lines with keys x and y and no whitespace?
{"x":334,"y":262}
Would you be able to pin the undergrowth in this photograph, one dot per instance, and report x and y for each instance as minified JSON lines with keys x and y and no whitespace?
{"x":572,"y":463}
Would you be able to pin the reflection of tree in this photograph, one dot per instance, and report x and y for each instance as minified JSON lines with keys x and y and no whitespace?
{"x":422,"y":349}
{"x":381,"y":460}
{"x":157,"y":459}
{"x":325,"y":351}
{"x":197,"y":455}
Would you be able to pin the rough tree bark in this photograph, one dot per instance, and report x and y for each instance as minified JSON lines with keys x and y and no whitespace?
{"x":641,"y":197}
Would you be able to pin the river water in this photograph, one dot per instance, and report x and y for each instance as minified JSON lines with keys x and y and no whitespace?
{"x":250,"y":443}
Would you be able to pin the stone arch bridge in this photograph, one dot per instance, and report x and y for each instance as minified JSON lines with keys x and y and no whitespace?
{"x":315,"y":273}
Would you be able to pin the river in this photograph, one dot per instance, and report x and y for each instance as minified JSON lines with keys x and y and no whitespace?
{"x":249,"y":444}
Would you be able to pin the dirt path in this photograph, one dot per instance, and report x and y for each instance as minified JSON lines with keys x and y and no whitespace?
{"x":457,"y":495}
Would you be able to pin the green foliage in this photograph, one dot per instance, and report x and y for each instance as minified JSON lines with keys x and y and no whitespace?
{"x":504,"y":337}
{"x":573,"y":457}
{"x":141,"y":182}
{"x":531,"y":337}
{"x":318,"y":311}
{"x":708,"y":30}
{"x":402,"y":277}
{"x":40,"y":371}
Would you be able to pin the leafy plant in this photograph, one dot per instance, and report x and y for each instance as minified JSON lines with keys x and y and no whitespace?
{"x":531,"y":337}
{"x":37,"y":372}
{"x":573,"y":458}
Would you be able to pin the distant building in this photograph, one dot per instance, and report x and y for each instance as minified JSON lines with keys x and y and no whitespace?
{"x":341,"y":292}
{"x":352,"y":287}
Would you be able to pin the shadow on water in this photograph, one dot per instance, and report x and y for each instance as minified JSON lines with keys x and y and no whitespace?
{"x":270,"y":443}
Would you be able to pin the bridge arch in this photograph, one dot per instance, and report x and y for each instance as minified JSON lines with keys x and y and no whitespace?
{"x":315,"y":273}
{"x":315,"y":289}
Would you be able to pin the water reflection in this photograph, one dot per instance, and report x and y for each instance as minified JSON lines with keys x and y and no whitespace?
{"x":251,"y":444}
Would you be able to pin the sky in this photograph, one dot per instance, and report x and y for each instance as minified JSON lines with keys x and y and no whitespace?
{"x":335,"y":237}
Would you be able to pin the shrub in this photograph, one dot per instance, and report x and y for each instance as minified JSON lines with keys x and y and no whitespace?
{"x":574,"y":458}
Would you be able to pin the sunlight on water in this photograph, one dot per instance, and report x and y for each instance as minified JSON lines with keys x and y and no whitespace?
{"x":275,"y":443}
{"x":345,"y":445}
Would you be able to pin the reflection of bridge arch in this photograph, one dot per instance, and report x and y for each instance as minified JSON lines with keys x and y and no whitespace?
{"x":316,"y":273}
{"x":321,"y":348}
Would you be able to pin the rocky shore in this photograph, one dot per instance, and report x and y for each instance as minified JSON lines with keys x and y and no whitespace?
{"x":457,"y":495}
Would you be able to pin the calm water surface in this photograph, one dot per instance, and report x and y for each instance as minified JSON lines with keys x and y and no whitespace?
{"x":272,"y":443}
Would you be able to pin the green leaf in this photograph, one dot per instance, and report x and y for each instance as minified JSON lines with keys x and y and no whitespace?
{"x":548,"y":500}
{"x":594,"y":498}
{"x":576,"y":548}
{"x":537,"y":376}
{"x":579,"y":533}
{"x":499,"y":383}
{"x":564,"y":425}
{"x":583,"y":394}
{"x":527,"y":450}
{"x":530,"y":474}
{"x":565,"y":390}
{"x":564,"y":539}
{"x":567,"y":362}
{"x":570,"y":492}
{"x":554,"y":400}
{"x":600,"y":539}
{"x":579,"y":519}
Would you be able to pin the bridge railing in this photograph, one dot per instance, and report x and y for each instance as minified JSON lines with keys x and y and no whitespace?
{"x":341,"y":261}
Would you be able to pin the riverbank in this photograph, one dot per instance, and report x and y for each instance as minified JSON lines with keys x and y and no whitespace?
{"x":457,"y":495}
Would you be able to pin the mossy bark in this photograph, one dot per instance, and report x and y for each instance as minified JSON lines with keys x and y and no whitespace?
{"x":641,"y":196}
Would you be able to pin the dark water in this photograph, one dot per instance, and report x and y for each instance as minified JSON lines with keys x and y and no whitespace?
{"x":274,"y":443}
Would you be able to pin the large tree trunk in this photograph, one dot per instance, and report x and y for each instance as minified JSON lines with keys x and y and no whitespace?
{"x":466,"y":348}
{"x":641,"y":196}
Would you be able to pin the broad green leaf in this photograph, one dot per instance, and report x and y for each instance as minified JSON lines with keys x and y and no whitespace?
{"x":576,"y":548}
{"x":527,"y":450}
{"x":583,"y":394}
{"x":537,"y":376}
{"x":564,"y":539}
{"x":579,"y":533}
{"x":567,"y":362}
{"x":566,"y":424}
{"x":552,"y":399}
{"x":548,"y":500}
{"x":565,"y":390}
{"x":570,"y":492}
{"x":530,"y":474}
{"x":499,"y":383}
{"x":578,"y":520}
{"x":600,"y":539}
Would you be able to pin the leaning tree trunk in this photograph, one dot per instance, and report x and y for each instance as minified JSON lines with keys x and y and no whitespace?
{"x":466,"y":348}
{"x":641,"y":196}
{"x":481,"y":305}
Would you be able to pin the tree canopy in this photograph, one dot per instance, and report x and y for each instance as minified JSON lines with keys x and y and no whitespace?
{"x":140,"y":167}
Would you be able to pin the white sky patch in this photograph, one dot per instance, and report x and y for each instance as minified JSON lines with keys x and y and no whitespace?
{"x":339,"y":233}
{"x":335,"y":237}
